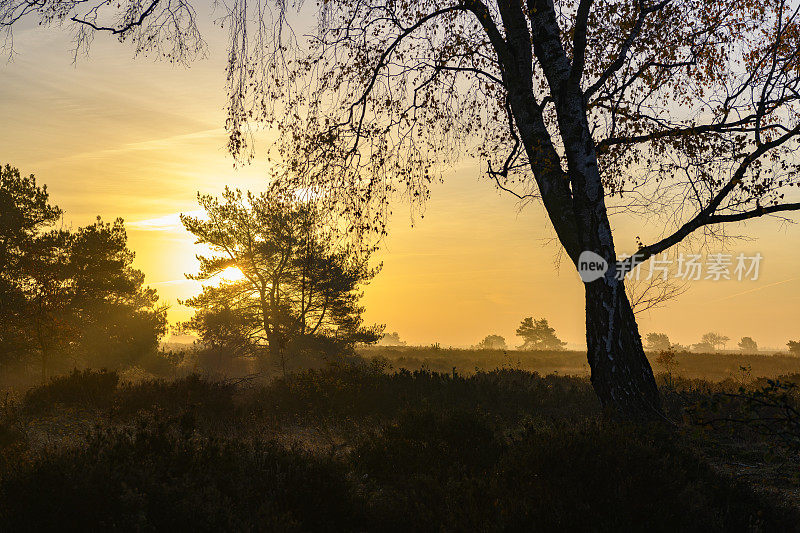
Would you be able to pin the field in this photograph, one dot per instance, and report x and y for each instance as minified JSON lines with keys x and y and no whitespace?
{"x":369,"y":445}
{"x":709,"y":366}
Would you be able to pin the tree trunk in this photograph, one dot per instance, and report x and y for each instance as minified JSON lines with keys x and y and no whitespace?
{"x":621,"y":374}
{"x":276,"y":351}
{"x":575,"y":200}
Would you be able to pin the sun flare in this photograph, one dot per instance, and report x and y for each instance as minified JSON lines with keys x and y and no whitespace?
{"x":230,"y":275}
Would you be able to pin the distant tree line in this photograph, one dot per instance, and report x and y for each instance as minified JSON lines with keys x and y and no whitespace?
{"x":710,"y":342}
{"x":391,"y":339}
{"x":536,"y":334}
{"x":68,"y":297}
{"x":492,"y":342}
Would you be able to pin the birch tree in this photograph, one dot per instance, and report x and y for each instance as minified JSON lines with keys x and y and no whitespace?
{"x":683,"y":109}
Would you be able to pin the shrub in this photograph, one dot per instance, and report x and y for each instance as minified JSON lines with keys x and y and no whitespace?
{"x":448,"y":472}
{"x":81,"y":388}
{"x":13,"y":435}
{"x":608,"y":477}
{"x":212,"y":399}
{"x":366,"y":391}
{"x":161,"y":363}
{"x":161,"y":476}
{"x":767,"y":408}
{"x":504,"y":450}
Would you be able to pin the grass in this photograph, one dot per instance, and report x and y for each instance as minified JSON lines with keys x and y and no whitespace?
{"x":708,"y":366}
{"x":364,"y":447}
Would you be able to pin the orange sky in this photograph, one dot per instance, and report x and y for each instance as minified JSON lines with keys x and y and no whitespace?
{"x":134,"y":138}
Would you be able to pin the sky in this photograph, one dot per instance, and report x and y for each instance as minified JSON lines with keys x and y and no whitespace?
{"x":115,"y":135}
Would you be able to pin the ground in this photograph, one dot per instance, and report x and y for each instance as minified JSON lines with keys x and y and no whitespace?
{"x":369,"y":445}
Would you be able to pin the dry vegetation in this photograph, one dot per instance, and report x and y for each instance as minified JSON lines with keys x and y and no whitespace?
{"x":368,"y":445}
{"x":710,"y":366}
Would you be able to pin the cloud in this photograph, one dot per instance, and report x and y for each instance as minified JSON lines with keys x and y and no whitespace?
{"x":170,"y":222}
{"x":170,"y":143}
{"x":174,"y":282}
{"x":755,"y":289}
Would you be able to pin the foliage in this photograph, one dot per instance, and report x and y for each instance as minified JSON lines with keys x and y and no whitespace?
{"x":499,"y":451}
{"x":658,"y":342}
{"x":589,"y":107}
{"x":25,"y":216}
{"x":771,"y":410}
{"x":715,"y":366}
{"x":162,"y":363}
{"x":205,"y":398}
{"x":298,"y":291}
{"x":391,"y":339}
{"x":492,"y":342}
{"x":451,"y":470}
{"x":81,"y":388}
{"x":160,"y":475}
{"x":120,"y":319}
{"x":667,"y":360}
{"x":748,"y":345}
{"x":703,"y":347}
{"x":714,"y":340}
{"x":794,"y":347}
{"x":70,"y":296}
{"x":367,"y":391}
{"x":538,"y":335}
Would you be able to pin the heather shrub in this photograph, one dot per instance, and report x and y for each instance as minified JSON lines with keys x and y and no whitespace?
{"x":206,"y":397}
{"x":81,"y":388}
{"x":161,"y":475}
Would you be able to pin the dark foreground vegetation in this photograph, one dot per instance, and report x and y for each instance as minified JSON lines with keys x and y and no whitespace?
{"x":358,"y":447}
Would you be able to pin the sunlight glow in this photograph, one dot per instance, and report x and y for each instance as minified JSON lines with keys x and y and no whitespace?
{"x":231,"y":274}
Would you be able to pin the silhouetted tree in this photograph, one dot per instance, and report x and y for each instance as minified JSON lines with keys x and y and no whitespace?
{"x":223,"y":328}
{"x":748,"y":345}
{"x":69,"y":295}
{"x":25,"y":213}
{"x":716,"y":340}
{"x":118,"y":317}
{"x":298,"y":290}
{"x":669,"y":362}
{"x":591,"y":107}
{"x":492,"y":342}
{"x":794,"y":347}
{"x":48,"y":323}
{"x":658,"y":342}
{"x":538,"y":335}
{"x":391,"y":339}
{"x":711,"y":342}
{"x":703,"y":347}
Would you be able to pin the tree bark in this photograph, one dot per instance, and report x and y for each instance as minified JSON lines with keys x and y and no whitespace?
{"x":573,"y":197}
{"x":621,"y":374}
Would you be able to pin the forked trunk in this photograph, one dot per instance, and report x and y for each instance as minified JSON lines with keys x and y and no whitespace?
{"x":575,"y":201}
{"x":621,"y":374}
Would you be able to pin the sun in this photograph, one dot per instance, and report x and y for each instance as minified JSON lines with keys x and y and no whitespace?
{"x":231,"y":274}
